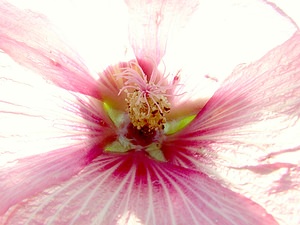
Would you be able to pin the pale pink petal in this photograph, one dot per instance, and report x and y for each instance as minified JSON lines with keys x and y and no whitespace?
{"x":133,"y":189}
{"x":152,"y":23}
{"x":30,"y":40}
{"x":219,"y":36}
{"x":286,"y":9}
{"x":110,"y":85}
{"x":267,"y":89}
{"x":47,"y":135}
{"x":247,"y":135}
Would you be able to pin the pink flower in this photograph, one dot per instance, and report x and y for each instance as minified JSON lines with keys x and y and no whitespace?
{"x":131,"y":145}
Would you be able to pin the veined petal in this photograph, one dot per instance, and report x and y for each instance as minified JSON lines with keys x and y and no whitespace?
{"x":214,"y":41}
{"x":30,"y":40}
{"x":110,"y":84}
{"x":263,"y":91}
{"x":249,"y":131}
{"x":152,"y":23}
{"x":47,"y":134}
{"x":133,"y":189}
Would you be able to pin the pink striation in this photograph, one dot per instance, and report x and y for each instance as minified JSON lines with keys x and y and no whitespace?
{"x":35,"y":44}
{"x":84,"y":184}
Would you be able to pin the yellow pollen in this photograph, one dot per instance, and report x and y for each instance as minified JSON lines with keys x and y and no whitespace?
{"x":147,"y":114}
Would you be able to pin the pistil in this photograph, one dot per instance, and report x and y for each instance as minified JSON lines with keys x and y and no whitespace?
{"x":147,"y":103}
{"x":147,"y":113}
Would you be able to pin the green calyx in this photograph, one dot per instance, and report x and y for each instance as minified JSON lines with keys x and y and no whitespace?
{"x":122,"y":144}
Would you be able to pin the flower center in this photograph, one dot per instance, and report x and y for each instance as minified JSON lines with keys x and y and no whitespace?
{"x":147,"y":113}
{"x":147,"y":103}
{"x":144,"y":125}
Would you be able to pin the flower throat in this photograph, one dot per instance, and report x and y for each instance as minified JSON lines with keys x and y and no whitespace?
{"x":144,"y":125}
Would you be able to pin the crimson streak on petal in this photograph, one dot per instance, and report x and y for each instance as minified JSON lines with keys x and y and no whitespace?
{"x":115,"y":189}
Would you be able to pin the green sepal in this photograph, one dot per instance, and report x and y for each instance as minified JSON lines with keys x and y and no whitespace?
{"x":122,"y":144}
{"x":116,"y":116}
{"x":174,"y":126}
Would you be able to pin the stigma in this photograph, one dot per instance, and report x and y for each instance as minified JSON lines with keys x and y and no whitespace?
{"x":147,"y":102}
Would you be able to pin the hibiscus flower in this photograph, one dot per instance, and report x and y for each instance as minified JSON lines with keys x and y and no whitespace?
{"x":135,"y":144}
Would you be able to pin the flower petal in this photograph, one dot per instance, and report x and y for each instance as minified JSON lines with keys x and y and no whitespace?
{"x":134,"y":189}
{"x":249,"y":131}
{"x":207,"y":52}
{"x":264,"y":91}
{"x":31,"y":41}
{"x":152,"y":23}
{"x":47,"y":134}
{"x":110,"y":84}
